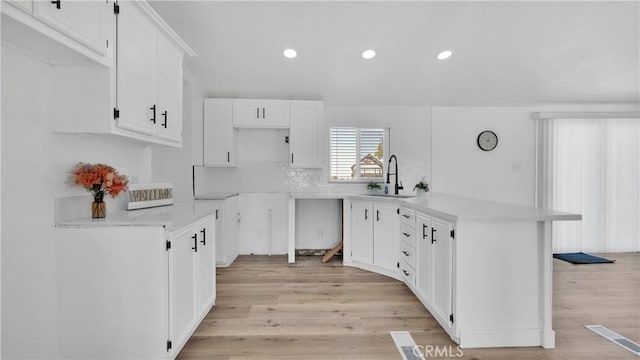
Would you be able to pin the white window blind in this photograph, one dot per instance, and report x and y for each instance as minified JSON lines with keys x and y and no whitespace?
{"x":357,"y":154}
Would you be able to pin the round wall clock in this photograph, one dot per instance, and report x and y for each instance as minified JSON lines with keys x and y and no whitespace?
{"x":487,"y":140}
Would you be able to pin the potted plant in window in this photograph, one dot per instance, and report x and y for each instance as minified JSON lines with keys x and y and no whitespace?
{"x":421,"y":188}
{"x":373,"y":187}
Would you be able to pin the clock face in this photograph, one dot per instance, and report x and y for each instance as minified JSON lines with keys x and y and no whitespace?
{"x":487,"y":140}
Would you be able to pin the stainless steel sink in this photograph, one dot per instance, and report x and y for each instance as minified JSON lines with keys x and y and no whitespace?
{"x":391,"y":195}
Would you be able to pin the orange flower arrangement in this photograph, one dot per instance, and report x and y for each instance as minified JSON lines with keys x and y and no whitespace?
{"x":99,"y":179}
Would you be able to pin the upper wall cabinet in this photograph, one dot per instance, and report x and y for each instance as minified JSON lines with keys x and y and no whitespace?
{"x":306,"y":119}
{"x":62,"y":31}
{"x":220,"y":138}
{"x":85,"y":21}
{"x":149,"y":79}
{"x":139,"y":96}
{"x":268,"y":114}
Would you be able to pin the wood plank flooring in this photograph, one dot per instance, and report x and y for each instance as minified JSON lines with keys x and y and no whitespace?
{"x":268,"y":310}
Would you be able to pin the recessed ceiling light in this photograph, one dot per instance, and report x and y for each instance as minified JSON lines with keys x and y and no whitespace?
{"x":290,"y":53}
{"x":445,"y":55}
{"x":368,"y":54}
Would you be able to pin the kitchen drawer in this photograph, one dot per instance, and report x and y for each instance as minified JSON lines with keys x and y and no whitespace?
{"x":407,"y":233}
{"x":408,"y":216}
{"x":408,"y":254}
{"x":407,"y":274}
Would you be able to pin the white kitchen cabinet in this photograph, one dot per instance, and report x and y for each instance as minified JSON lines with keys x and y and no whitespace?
{"x":374,"y":234}
{"x":442,"y":268}
{"x":74,"y":31}
{"x":384,"y":235}
{"x":205,"y":265}
{"x":139,"y":94}
{"x":434,"y":266}
{"x":228,"y":246}
{"x":306,"y":126}
{"x":169,"y":93}
{"x":149,"y":79}
{"x":137,"y":72}
{"x":133,"y":291}
{"x":220,"y":138}
{"x":182,"y":283}
{"x":267,"y":114}
{"x":87,"y":22}
{"x":362,"y":231}
{"x":424,"y":258}
{"x":24,"y":5}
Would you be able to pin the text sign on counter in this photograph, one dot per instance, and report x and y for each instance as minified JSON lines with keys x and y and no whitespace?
{"x":143,"y":196}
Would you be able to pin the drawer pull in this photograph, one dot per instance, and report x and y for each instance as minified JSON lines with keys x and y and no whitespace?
{"x":405,"y":253}
{"x":405,"y":234}
{"x":405,"y":216}
{"x":405,"y":272}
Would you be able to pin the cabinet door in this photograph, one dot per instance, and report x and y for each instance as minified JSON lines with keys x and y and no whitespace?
{"x":247,"y":113}
{"x":88,"y":22}
{"x":24,"y":5}
{"x":219,"y":226}
{"x":219,"y":135}
{"x":136,"y":73}
{"x":442,"y":268}
{"x":231,"y":229}
{"x":182,"y":282}
{"x":169,"y":107}
{"x":385,"y":236}
{"x":274,"y":114}
{"x":304,"y":144}
{"x":206,"y":270}
{"x":424,"y":256}
{"x":362,"y":231}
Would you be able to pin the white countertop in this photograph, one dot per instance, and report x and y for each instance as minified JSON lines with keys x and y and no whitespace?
{"x":171,"y":216}
{"x":215,"y":196}
{"x":458,"y":208}
{"x":311,"y":195}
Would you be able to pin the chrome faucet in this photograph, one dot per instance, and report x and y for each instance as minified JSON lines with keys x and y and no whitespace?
{"x":398,"y":187}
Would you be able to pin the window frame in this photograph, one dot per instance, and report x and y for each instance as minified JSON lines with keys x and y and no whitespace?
{"x":385,"y":153}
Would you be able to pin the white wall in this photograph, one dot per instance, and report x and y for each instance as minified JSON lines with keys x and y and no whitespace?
{"x":506,"y":174}
{"x":35,"y":167}
{"x":409,"y":137}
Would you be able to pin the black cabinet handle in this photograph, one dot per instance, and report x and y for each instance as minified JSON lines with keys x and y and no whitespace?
{"x":164,"y":124}
{"x":228,"y":156}
{"x":405,"y":253}
{"x":57,"y":2}
{"x":405,"y":272}
{"x":433,"y":235}
{"x":424,"y":228}
{"x":405,"y":216}
{"x":153,"y":119}
{"x":257,"y":113}
{"x":263,"y":113}
{"x":195,"y":242}
{"x":216,"y":214}
{"x":405,"y":234}
{"x":366,"y":214}
{"x":377,"y":215}
{"x":204,"y":237}
{"x":292,"y":158}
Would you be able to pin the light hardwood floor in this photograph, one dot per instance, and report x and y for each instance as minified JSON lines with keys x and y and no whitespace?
{"x":268,"y":310}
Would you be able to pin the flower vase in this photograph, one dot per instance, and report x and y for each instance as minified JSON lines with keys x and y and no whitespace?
{"x":98,"y":208}
{"x":421,"y":193}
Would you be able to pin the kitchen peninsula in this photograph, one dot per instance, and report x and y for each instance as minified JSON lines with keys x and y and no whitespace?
{"x":483,"y":269}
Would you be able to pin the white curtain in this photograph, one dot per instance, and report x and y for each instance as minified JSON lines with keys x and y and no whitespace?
{"x":596,"y":172}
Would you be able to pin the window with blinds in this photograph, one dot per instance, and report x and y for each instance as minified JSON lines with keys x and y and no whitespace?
{"x":357,"y":154}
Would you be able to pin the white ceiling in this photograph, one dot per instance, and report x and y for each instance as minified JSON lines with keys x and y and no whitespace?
{"x":505,"y":53}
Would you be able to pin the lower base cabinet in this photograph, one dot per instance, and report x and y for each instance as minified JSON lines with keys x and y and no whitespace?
{"x":133,"y":291}
{"x":374,"y":234}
